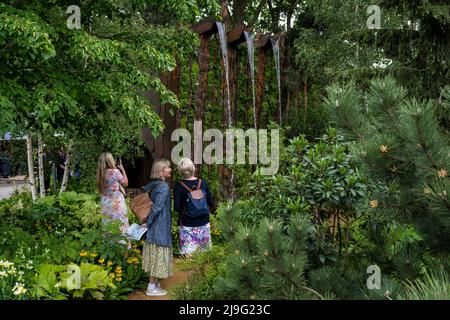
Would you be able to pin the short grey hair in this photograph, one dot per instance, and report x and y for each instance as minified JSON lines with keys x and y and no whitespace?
{"x":186,"y":168}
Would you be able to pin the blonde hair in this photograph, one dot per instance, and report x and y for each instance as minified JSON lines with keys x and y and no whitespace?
{"x":186,"y":168}
{"x":106,"y":161}
{"x":158,"y":168}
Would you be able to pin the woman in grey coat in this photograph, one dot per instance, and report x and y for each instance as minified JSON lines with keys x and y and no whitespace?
{"x":157,"y":256}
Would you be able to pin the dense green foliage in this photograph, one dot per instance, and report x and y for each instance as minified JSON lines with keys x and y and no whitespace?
{"x":292,"y":238}
{"x":45,"y":238}
{"x":372,"y":189}
{"x":400,"y":142}
{"x":84,"y":83}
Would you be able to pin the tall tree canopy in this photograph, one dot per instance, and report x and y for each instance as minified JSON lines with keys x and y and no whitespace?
{"x":88,"y":82}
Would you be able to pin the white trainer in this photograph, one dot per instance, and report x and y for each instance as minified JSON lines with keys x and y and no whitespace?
{"x":156,"y":292}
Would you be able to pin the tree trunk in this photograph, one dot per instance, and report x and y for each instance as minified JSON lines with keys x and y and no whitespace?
{"x":238,"y":13}
{"x":31,"y":167}
{"x":248,"y":104}
{"x":260,"y":84}
{"x":224,"y":9}
{"x":172,"y":82}
{"x":202,"y":89}
{"x":225,"y":172}
{"x":178,"y":112}
{"x":288,"y":102}
{"x":305,"y":97}
{"x":190,"y":95}
{"x":41,"y":166}
{"x":283,"y":67}
{"x":66,"y":170}
{"x":233,"y":63}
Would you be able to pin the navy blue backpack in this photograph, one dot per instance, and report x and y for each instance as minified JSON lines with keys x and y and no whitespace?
{"x":196,"y":202}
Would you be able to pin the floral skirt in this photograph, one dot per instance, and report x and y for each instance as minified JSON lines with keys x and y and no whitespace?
{"x":193,"y":238}
{"x":113,"y":207}
{"x":157,"y":260}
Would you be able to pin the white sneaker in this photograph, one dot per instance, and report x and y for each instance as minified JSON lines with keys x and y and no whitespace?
{"x":156,"y":292}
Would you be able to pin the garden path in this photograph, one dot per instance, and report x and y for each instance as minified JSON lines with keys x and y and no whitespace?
{"x":179,"y":277}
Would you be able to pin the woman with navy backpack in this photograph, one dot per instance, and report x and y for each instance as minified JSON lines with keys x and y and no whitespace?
{"x":193,"y":201}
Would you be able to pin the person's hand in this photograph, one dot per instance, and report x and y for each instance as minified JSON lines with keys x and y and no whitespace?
{"x":120,"y":167}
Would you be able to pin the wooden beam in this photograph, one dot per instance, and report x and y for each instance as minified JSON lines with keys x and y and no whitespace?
{"x":237,"y":36}
{"x":206,"y":27}
{"x":263,"y":41}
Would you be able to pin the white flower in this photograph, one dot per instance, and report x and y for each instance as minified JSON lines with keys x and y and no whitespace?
{"x":6,"y":264}
{"x":29,"y":264}
{"x":19,"y":289}
{"x":2,"y":274}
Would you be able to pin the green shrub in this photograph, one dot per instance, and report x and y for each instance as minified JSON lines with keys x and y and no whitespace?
{"x":60,"y":282}
{"x":14,"y":279}
{"x":205,"y":268}
{"x":434,"y":286}
{"x":67,"y":229}
{"x":267,"y":260}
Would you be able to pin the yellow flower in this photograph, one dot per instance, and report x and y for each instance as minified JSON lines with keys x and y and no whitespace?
{"x":83,"y":253}
{"x":109,"y":264}
{"x":101,"y":260}
{"x":118,"y":272}
{"x":132,"y":260}
{"x":383,"y":148}
{"x":374,"y":204}
{"x":119,"y":279}
{"x":442,"y":173}
{"x":93,"y":254}
{"x":112,"y":275}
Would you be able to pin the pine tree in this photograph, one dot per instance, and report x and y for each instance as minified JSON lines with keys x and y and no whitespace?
{"x":405,"y":144}
{"x":269,"y":260}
